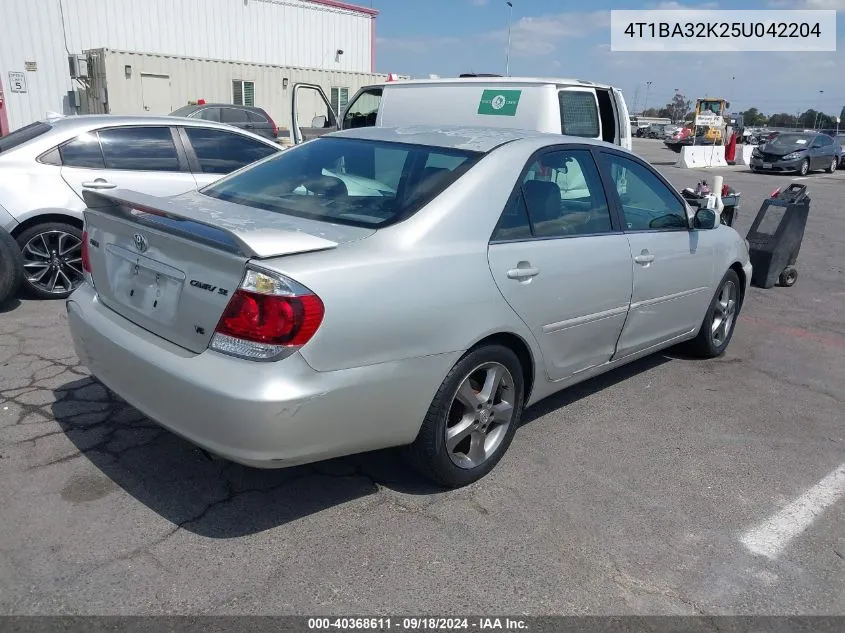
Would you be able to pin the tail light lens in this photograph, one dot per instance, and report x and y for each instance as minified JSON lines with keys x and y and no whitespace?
{"x":268,"y":318}
{"x":86,"y":257}
{"x":275,"y":128}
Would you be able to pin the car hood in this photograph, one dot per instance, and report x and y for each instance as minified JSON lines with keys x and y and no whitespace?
{"x":779,"y":151}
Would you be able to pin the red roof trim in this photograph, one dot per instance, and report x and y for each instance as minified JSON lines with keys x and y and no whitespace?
{"x":347,"y":6}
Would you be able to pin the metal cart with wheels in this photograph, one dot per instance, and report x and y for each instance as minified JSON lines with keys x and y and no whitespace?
{"x":775,"y":237}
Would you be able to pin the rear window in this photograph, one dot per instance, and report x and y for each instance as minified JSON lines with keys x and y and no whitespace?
{"x":347,"y":181}
{"x":579,"y":115}
{"x":24,"y":134}
{"x":184,"y":110}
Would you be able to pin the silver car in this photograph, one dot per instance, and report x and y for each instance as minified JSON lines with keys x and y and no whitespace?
{"x":45,"y":168}
{"x":288,"y":313}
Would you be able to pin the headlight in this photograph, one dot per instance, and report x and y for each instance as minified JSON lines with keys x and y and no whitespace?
{"x":756,"y":153}
{"x":792,"y":156}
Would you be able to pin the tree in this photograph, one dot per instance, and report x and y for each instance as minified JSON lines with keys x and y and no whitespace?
{"x":753,"y":117}
{"x":782,"y":120}
{"x":677,"y":107}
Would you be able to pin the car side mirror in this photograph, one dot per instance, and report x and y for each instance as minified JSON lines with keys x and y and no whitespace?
{"x":318,"y":121}
{"x":705,"y":219}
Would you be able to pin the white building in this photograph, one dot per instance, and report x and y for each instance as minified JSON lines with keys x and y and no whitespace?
{"x":153,"y":56}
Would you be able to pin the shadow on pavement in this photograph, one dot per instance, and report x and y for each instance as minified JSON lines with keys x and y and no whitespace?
{"x":220,"y":499}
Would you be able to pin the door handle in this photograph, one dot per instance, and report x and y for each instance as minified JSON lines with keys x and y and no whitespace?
{"x":98,"y":184}
{"x":644,"y":257}
{"x":523,"y":273}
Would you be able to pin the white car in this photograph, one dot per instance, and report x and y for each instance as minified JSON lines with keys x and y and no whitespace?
{"x":46,"y":166}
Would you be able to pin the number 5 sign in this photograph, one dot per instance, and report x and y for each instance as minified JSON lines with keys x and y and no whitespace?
{"x":17,"y":82}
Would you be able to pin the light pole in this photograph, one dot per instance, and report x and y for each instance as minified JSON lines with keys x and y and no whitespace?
{"x":508,"y":57}
{"x":647,"y":88}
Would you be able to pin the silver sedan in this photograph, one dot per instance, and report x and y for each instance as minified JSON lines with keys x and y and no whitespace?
{"x":412,"y":287}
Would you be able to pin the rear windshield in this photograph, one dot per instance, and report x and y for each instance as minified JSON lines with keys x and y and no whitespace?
{"x":24,"y":134}
{"x":347,"y":181}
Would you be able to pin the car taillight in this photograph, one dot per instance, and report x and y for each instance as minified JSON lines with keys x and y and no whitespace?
{"x":86,"y":257}
{"x":275,"y":128}
{"x":269,"y":317}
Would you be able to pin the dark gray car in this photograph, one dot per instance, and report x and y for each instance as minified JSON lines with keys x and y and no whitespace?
{"x":249,"y":118}
{"x":799,"y":152}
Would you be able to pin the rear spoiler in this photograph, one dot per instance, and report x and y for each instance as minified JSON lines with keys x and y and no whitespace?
{"x":246,"y":231}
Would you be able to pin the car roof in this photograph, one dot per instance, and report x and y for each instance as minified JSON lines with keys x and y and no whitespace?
{"x":94,"y":120}
{"x":472,"y":138}
{"x":537,"y":81}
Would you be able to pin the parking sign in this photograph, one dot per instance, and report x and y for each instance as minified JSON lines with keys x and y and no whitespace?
{"x":17,"y":82}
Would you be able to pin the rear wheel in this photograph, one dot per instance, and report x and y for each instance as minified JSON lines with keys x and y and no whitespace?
{"x":718,"y":326}
{"x":833,"y":165}
{"x":11,"y":266}
{"x":52,"y":259}
{"x":472,"y":418}
{"x":788,"y":277}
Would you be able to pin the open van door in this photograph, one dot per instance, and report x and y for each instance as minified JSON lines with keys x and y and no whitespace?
{"x":311,"y":115}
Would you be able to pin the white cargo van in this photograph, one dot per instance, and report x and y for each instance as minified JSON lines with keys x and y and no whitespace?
{"x":561,"y":106}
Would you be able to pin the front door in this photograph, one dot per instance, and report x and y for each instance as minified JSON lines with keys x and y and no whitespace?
{"x":673,"y":265}
{"x":561,"y":264}
{"x":142,"y":158}
{"x":311,"y":113}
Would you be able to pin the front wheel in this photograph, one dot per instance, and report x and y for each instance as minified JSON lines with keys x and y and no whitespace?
{"x":833,"y":165}
{"x":472,"y":418}
{"x":717,"y":328}
{"x":804,"y":169}
{"x":52,"y":255}
{"x":788,"y":277}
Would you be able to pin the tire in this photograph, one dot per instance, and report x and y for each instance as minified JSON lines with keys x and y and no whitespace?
{"x":65,"y":269}
{"x":804,"y":169}
{"x":706,"y":344}
{"x":833,"y":165}
{"x":11,"y":266}
{"x":788,"y":277}
{"x":455,"y":408}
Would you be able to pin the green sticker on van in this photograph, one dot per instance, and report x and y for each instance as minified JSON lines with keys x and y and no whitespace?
{"x":499,"y":102}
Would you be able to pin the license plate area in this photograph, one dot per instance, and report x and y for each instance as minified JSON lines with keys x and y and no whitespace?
{"x":143,"y":284}
{"x":767,"y":165}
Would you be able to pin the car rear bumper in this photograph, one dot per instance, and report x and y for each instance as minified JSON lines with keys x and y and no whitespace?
{"x":267,"y":415}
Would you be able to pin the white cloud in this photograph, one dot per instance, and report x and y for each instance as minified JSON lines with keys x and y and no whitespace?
{"x":671,"y":4}
{"x":838,"y":5}
{"x":479,"y":3}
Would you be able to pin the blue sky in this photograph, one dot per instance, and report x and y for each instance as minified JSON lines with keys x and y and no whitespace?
{"x":565,"y":38}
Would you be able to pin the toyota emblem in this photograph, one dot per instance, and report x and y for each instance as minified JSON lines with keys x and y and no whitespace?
{"x":140,"y":242}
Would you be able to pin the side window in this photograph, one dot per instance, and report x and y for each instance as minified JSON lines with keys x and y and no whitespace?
{"x":825,"y":140}
{"x":139,"y":149}
{"x":364,"y":110}
{"x":83,"y":151}
{"x":233,"y":116}
{"x":256,"y":117}
{"x":579,"y":115}
{"x":208,"y":114}
{"x":514,"y":224}
{"x":564,"y":195}
{"x":221,"y":152}
{"x":647,"y":203}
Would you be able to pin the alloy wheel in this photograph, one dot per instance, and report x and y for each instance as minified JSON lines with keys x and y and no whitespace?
{"x":53,"y":262}
{"x":481,"y":413}
{"x":724,"y":313}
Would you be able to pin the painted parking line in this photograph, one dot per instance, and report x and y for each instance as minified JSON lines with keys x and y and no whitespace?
{"x":773,"y":535}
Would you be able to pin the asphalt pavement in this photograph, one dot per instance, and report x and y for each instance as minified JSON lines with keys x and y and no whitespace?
{"x":671,"y":486}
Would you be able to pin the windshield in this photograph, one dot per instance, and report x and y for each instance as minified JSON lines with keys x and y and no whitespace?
{"x":24,"y":134}
{"x":347,"y":181}
{"x":791,"y":141}
{"x":183,"y":111}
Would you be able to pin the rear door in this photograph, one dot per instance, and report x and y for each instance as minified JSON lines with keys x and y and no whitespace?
{"x":149,"y":159}
{"x":213,"y":153}
{"x":579,"y":112}
{"x":562,"y":263}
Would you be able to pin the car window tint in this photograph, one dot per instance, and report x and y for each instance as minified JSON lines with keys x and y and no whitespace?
{"x":221,"y":152}
{"x":23,"y":135}
{"x":514,"y":224}
{"x":344,"y":180}
{"x":364,"y":110}
{"x":579,"y":115}
{"x":826,"y":141}
{"x":646,"y":202}
{"x":233,"y":116}
{"x":83,"y":151}
{"x":139,"y":149}
{"x":564,"y":195}
{"x":256,"y":117}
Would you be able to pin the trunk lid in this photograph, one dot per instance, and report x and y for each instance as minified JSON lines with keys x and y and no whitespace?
{"x":170,"y":265}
